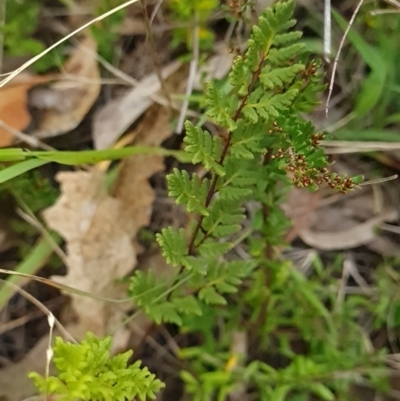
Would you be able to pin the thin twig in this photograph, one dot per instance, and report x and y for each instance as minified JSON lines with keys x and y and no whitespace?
{"x":191,"y":78}
{"x":335,"y":63}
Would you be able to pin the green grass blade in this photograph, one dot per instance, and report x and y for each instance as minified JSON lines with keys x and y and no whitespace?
{"x":12,"y":155}
{"x":17,"y":169}
{"x":96,"y":156}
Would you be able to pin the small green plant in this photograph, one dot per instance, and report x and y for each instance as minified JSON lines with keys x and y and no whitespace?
{"x":87,"y":372}
{"x":229,"y":277}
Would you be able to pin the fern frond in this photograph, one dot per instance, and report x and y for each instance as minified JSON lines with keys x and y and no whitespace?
{"x":283,"y":39}
{"x":238,"y":181}
{"x":278,"y":77}
{"x":88,"y":372}
{"x":188,"y":191}
{"x":203,"y":148}
{"x":187,"y":305}
{"x":269,"y":105}
{"x":220,"y":107}
{"x":197,"y":264}
{"x":173,"y":245}
{"x":144,"y":289}
{"x":211,"y":297}
{"x":224,"y":278}
{"x":281,"y":56}
{"x":246,"y":139}
{"x":211,"y":248}
{"x":279,"y":15}
{"x":224,"y":219}
{"x":239,"y":77}
{"x":252,"y":56}
{"x":150,"y":294}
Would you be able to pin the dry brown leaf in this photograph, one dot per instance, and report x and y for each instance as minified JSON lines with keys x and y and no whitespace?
{"x":99,"y":246}
{"x":13,"y":106}
{"x":360,"y":234}
{"x":115,"y":118}
{"x":341,"y":222}
{"x":64,"y":104}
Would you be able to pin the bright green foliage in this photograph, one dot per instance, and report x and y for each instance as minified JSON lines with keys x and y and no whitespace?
{"x":265,"y":146}
{"x":264,"y":138}
{"x":276,"y":77}
{"x":188,"y":191}
{"x":218,"y":223}
{"x":173,"y":244}
{"x":87,"y":372}
{"x":150,"y":294}
{"x":203,"y":148}
{"x":227,"y":274}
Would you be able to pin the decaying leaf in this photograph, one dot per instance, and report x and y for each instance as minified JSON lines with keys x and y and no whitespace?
{"x":65,"y":103}
{"x":99,"y":245}
{"x":13,"y":105}
{"x":359,"y":234}
{"x":341,"y":222}
{"x":116,"y":117}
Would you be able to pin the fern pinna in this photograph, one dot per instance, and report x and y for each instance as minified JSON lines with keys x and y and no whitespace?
{"x":262,"y":141}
